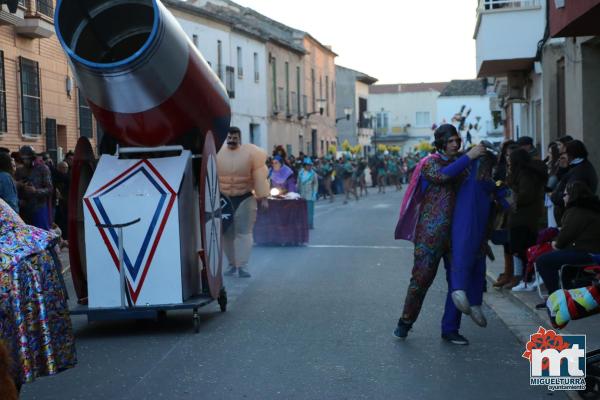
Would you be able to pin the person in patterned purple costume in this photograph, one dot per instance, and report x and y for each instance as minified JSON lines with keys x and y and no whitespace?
{"x":426,"y":219}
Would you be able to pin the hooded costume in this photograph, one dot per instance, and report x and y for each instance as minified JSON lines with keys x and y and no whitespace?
{"x":470,"y":225}
{"x":242,"y":171}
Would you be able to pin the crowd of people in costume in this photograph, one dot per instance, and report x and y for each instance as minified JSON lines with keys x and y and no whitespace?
{"x":544,"y":212}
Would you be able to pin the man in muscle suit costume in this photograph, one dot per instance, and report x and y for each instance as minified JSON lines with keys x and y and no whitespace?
{"x":426,"y":218}
{"x":243,"y":180}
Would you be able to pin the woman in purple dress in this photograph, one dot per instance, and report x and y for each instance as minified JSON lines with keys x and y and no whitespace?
{"x":282,"y":176}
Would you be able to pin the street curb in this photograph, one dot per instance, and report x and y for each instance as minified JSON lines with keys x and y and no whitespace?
{"x":520,"y":317}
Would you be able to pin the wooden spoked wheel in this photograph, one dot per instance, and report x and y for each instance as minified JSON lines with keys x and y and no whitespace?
{"x":83,"y":167}
{"x":210,"y":218}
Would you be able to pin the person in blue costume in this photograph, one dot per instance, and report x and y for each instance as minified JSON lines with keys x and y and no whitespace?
{"x":426,"y":218}
{"x":470,"y":228}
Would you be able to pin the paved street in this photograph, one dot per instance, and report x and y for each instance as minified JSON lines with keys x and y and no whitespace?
{"x":313,"y":323}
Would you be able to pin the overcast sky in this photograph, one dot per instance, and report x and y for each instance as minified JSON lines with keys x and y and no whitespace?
{"x":393,"y":40}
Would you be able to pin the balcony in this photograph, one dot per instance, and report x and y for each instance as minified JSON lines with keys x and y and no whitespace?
{"x":507,"y":35}
{"x":38,"y":20}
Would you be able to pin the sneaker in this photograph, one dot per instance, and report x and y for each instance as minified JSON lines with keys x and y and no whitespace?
{"x":459,"y":298}
{"x":455,"y":338}
{"x":513,"y":281}
{"x":242,"y":273}
{"x":478,"y":317}
{"x":231,"y":271}
{"x":524,"y":287}
{"x":401,"y":331}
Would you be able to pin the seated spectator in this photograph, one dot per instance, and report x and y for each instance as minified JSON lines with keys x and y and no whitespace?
{"x":580,"y":169}
{"x":579,"y":236}
{"x":8,"y":188}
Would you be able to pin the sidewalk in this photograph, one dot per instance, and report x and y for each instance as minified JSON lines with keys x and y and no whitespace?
{"x":529,"y":319}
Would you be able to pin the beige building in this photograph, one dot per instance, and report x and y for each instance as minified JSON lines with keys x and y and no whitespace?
{"x":319,"y":84}
{"x":286,"y":97}
{"x":39,"y":103}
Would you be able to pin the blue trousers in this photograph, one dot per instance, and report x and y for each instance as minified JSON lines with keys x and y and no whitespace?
{"x":470,"y":278}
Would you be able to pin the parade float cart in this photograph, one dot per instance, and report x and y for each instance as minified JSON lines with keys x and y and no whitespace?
{"x":144,"y":219}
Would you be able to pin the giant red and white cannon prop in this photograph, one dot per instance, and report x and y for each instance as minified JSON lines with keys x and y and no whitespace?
{"x":155,"y":96}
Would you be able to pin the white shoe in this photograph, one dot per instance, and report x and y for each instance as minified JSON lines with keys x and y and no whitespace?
{"x":478,"y":317}
{"x":460,"y":300}
{"x":524,"y":287}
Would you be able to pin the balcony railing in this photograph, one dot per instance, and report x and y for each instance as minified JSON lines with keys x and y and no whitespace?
{"x":493,"y":5}
{"x":45,"y":7}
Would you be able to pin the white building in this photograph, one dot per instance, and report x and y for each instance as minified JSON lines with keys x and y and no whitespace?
{"x":404,"y":113}
{"x":239,"y":59}
{"x":508,"y":35}
{"x":467,"y":105}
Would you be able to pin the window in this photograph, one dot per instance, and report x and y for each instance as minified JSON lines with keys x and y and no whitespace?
{"x":287,"y":88}
{"x":3,"y":121}
{"x":299,"y":92}
{"x":274,"y":83}
{"x":220,"y":59}
{"x":240,"y":63}
{"x":30,"y":97}
{"x":195,"y":40}
{"x":383,"y":123}
{"x":423,"y":119}
{"x":45,"y":7}
{"x":313,"y":80}
{"x":230,"y":81}
{"x":85,"y":117}
{"x":327,"y":94}
{"x":281,"y":97}
{"x":256,"y":74}
{"x":294,"y":110}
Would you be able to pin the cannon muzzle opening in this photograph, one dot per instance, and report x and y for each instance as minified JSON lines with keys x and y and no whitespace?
{"x":106,"y":32}
{"x":142,"y":77}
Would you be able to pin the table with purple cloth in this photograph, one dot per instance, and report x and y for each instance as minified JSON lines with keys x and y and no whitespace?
{"x":285,"y":222}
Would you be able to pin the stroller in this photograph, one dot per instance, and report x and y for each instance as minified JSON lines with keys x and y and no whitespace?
{"x":565,"y":305}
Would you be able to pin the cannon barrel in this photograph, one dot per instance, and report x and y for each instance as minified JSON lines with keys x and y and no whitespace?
{"x":144,"y":80}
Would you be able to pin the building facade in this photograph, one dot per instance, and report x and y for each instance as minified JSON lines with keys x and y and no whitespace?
{"x":467,"y":105}
{"x":319,"y":81}
{"x":352,"y":94}
{"x":571,"y":69}
{"x":404,"y":113}
{"x":238,"y":58}
{"x":508,"y":35}
{"x":40,"y":105}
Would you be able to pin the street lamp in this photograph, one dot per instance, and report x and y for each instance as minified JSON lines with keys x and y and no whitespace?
{"x":347,"y":115}
{"x":321,"y":104}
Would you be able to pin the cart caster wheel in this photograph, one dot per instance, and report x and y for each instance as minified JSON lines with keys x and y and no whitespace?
{"x":223,"y":300}
{"x":196,"y":320}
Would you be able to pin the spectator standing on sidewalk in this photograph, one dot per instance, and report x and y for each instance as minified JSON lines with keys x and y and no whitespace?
{"x":8,"y":187}
{"x":426,"y":218}
{"x":35,"y":189}
{"x":552,"y":165}
{"x":500,"y":173}
{"x":527,"y":180}
{"x":580,"y":170}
